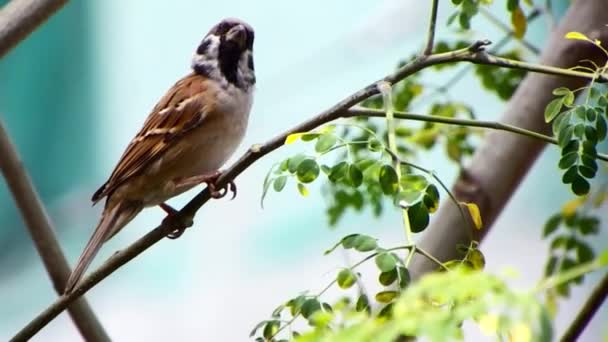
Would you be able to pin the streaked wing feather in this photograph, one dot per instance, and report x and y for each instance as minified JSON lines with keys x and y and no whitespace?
{"x":177,"y":112}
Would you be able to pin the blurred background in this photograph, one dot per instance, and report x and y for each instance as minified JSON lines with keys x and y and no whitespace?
{"x":75,"y":92}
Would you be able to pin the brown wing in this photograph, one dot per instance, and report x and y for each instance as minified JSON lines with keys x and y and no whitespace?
{"x":183,"y":108}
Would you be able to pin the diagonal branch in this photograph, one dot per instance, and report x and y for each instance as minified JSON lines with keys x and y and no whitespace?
{"x":184,"y":217}
{"x":41,"y":231}
{"x":19,"y":18}
{"x":593,"y":303}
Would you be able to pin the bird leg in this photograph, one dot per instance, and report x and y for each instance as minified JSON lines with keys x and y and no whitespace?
{"x":171,"y":214}
{"x":210,"y":179}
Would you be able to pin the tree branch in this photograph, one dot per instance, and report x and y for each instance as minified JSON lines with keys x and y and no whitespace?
{"x":593,"y":303}
{"x":465,"y":70}
{"x":511,"y":156}
{"x":184,"y":217}
{"x":19,"y":18}
{"x":41,"y":231}
{"x":428,"y":50}
{"x":358,"y":111}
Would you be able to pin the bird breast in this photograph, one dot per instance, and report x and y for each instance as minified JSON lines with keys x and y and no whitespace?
{"x":218,"y":138}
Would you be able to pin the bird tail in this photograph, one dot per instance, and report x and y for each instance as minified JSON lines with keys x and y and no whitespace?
{"x":112,"y":221}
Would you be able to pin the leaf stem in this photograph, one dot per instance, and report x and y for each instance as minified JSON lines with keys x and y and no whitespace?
{"x":358,"y":111}
{"x":387,"y":95}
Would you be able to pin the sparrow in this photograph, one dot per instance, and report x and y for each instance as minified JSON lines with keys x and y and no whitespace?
{"x":195,"y":127}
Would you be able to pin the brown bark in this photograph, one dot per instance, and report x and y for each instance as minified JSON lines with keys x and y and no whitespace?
{"x":503,"y":159}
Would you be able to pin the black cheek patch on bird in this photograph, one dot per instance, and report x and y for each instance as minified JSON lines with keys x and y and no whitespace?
{"x":202,"y":49}
{"x":250,"y":62}
{"x":228,"y":58}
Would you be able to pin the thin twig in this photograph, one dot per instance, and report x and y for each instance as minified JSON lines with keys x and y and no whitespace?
{"x":358,"y":111}
{"x":593,"y":303}
{"x":19,"y":18}
{"x":41,"y":231}
{"x":492,"y":18}
{"x":428,"y":50}
{"x":466,"y":69}
{"x":471,"y":54}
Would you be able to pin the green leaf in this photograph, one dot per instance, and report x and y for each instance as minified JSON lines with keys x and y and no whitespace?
{"x":355,"y":176}
{"x":553,"y":108}
{"x":271,"y":328}
{"x":303,"y":190}
{"x":512,"y":4}
{"x":476,"y":259}
{"x":362,"y":303}
{"x":320,"y":319}
{"x":325,"y":143}
{"x":309,"y":307}
{"x":363,"y":164}
{"x":338,"y":172}
{"x":464,"y":20}
{"x":552,"y":224}
{"x":565,"y":135}
{"x":308,"y":171}
{"x":519,"y":23}
{"x":568,"y":160}
{"x":375,"y":145}
{"x":431,"y":199}
{"x":584,"y":252}
{"x":404,"y":277}
{"x":294,"y":162}
{"x":309,"y":136}
{"x":386,"y":262}
{"x":591,"y":114}
{"x":389,"y":182}
{"x":346,"y":278}
{"x":590,"y":133}
{"x":349,"y":241}
{"x":418,"y":216}
{"x":580,"y":186}
{"x":364,"y":243}
{"x":295,"y":304}
{"x":387,"y":278}
{"x":550,"y":266}
{"x":255,"y":329}
{"x":279,"y":183}
{"x":561,"y":91}
{"x":600,"y":126}
{"x":588,"y":225}
{"x":386,"y":296}
{"x":570,"y":175}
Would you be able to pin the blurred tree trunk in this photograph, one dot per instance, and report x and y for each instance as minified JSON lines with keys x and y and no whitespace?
{"x":503,"y":159}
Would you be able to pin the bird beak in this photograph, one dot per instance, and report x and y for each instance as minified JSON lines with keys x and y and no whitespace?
{"x":238,"y":34}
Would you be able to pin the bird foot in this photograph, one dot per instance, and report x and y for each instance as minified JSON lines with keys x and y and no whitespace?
{"x":173,"y":219}
{"x":210,"y":179}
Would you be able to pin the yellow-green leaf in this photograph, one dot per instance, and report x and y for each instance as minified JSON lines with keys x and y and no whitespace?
{"x":520,"y":332}
{"x":488,"y":324}
{"x":570,"y":207}
{"x":518,"y":20}
{"x":303,"y":190}
{"x":293,"y":138}
{"x":475,"y":214}
{"x":577,"y":36}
